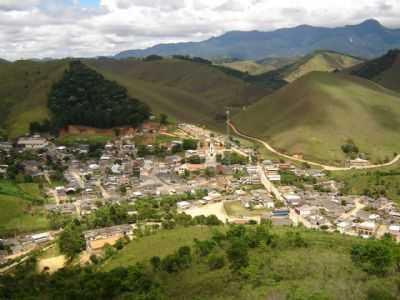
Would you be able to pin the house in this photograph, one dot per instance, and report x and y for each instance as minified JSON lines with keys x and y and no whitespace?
{"x":394,"y":230}
{"x":41,"y":237}
{"x":6,"y":146}
{"x":366,"y":229}
{"x":274,"y":177}
{"x":183,"y":205}
{"x":343,"y":227}
{"x":358,"y":163}
{"x":3,"y":170}
{"x":98,"y":238}
{"x":304,"y":210}
{"x":33,"y":143}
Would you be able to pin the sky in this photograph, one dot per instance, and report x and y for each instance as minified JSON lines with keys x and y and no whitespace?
{"x":87,"y":28}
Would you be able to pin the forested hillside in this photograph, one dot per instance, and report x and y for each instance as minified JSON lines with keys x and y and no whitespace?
{"x":84,"y":97}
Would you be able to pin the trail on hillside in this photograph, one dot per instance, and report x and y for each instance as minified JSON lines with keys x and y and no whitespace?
{"x":311,"y":163}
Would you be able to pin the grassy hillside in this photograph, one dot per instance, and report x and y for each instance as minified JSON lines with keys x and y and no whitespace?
{"x":384,"y":70}
{"x":325,"y":61}
{"x":183,"y":89}
{"x":17,"y":210}
{"x":318,"y":113}
{"x":24,"y":86}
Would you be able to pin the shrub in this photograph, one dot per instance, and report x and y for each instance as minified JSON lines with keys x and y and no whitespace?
{"x":216,"y":261}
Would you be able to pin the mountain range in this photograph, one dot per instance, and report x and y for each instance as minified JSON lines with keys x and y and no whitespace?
{"x":368,"y":39}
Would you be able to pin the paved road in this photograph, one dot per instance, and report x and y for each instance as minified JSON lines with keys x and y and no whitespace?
{"x":311,"y":163}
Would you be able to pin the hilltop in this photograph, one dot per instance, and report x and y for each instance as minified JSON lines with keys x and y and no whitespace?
{"x":325,"y":61}
{"x":384,"y":70}
{"x":368,"y":39}
{"x":24,"y":88}
{"x":319,"y":112}
{"x":183,"y":89}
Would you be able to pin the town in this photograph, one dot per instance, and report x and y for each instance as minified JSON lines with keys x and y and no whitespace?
{"x":198,"y":173}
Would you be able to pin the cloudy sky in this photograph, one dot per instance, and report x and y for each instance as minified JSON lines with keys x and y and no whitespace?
{"x":60,"y":28}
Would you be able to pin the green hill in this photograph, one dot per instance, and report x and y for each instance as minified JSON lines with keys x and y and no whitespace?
{"x":24,"y":87}
{"x":185,"y":90}
{"x":318,"y":113}
{"x":326,"y":61}
{"x":384,"y":70}
{"x":249,"y":66}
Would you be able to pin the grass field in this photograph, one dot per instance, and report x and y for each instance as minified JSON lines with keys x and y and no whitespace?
{"x":160,"y":244}
{"x":236,"y":209}
{"x":17,"y":212}
{"x":318,"y":113}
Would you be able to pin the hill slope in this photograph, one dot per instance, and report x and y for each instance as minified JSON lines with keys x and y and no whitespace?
{"x":316,"y":114}
{"x":326,"y":61}
{"x":384,"y":70}
{"x":24,"y":86}
{"x":368,"y":39}
{"x":183,"y":89}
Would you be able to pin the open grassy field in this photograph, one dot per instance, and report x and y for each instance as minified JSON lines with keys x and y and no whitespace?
{"x":236,"y":209}
{"x":318,"y":113}
{"x":24,"y":86}
{"x":249,"y":66}
{"x":17,"y":211}
{"x":160,"y":244}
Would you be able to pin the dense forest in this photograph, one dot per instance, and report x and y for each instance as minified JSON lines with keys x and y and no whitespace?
{"x":85,"y":97}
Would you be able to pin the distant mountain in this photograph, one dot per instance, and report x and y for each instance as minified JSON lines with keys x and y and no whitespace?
{"x":319,"y":112}
{"x":384,"y":70}
{"x":368,"y":39}
{"x":3,"y":61}
{"x":325,"y":61}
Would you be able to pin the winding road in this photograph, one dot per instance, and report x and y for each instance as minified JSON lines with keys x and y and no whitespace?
{"x":311,"y":163}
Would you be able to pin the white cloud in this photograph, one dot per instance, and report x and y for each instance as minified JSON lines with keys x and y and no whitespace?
{"x":41,"y":28}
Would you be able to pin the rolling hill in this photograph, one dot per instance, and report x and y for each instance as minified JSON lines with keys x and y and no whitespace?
{"x":24,"y":86}
{"x":384,"y":70}
{"x":326,"y":61}
{"x":318,"y":113}
{"x":185,"y":90}
{"x":249,"y":66}
{"x":368,"y":39}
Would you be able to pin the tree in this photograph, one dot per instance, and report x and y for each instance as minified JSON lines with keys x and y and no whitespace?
{"x":155,"y":263}
{"x":72,"y":241}
{"x":163,"y":119}
{"x":189,"y":144}
{"x":374,"y":257}
{"x":238,"y":255}
{"x":203,"y":248}
{"x":216,"y":261}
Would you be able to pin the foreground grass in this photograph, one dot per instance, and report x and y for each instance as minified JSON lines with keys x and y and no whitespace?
{"x":161,"y":244}
{"x":322,"y":270}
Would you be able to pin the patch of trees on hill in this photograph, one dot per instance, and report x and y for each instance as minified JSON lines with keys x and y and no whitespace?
{"x":85,"y":97}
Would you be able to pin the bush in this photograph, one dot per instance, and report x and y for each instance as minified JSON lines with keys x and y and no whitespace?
{"x":216,"y":261}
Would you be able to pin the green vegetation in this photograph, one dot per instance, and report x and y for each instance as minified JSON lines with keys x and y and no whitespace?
{"x":72,"y":241}
{"x":24,"y":88}
{"x":235,"y":262}
{"x":318,"y":113}
{"x":84,"y":97}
